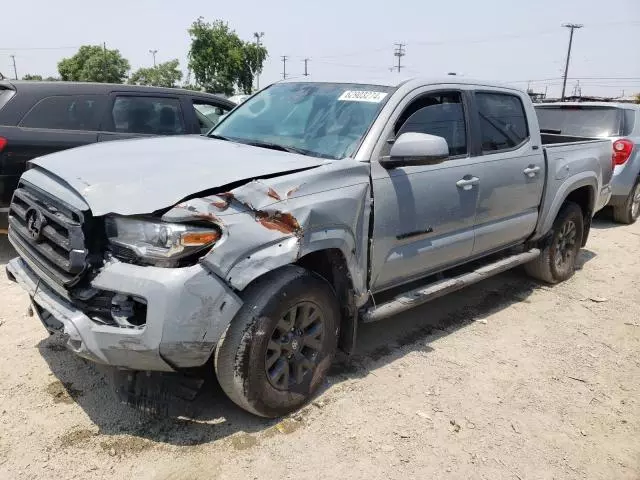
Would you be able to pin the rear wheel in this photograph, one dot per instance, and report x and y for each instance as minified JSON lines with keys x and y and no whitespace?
{"x":275,"y":353}
{"x":557,"y":261}
{"x":630,"y":211}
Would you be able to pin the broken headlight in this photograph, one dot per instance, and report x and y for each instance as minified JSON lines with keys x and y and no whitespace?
{"x":151,"y":241}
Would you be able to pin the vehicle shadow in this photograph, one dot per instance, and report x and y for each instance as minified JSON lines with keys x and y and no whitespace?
{"x":584,"y":256}
{"x":6,"y":250}
{"x":211,"y":416}
{"x":603,"y":220}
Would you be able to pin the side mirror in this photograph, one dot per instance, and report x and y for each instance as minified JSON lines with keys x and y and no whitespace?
{"x":416,"y":149}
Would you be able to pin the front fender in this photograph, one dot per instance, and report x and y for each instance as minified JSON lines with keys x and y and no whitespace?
{"x":289,"y":250}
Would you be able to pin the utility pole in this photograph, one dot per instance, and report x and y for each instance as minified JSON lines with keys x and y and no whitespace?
{"x":15,"y":72}
{"x":399,"y":52}
{"x":153,"y":52}
{"x":284,"y":66}
{"x":306,"y":73}
{"x":104,"y":61}
{"x":258,"y":36}
{"x":572,"y":27}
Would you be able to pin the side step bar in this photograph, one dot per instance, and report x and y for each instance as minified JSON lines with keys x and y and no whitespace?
{"x":429,"y":292}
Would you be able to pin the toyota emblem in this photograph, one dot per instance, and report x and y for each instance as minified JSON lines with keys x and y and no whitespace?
{"x":35,"y":223}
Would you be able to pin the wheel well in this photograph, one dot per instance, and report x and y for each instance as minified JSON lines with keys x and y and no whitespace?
{"x":331,"y":265}
{"x":584,"y":197}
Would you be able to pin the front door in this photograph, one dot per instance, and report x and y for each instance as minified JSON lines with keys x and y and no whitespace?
{"x":424,"y":215}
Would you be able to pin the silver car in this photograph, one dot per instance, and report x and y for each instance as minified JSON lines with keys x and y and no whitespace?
{"x":620,"y":122}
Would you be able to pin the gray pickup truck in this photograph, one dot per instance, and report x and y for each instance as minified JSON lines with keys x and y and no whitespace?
{"x":311,"y":207}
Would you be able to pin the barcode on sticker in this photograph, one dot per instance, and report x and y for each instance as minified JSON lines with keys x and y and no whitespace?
{"x":362,"y":96}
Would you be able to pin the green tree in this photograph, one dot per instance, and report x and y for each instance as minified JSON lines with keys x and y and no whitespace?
{"x":94,"y":63}
{"x":28,"y":76}
{"x":220,"y":60}
{"x":163,"y":75}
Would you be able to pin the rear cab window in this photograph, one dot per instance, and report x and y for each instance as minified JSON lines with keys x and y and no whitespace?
{"x":66,"y":112}
{"x":147,"y":115}
{"x":503,"y":122}
{"x":580,"y":120}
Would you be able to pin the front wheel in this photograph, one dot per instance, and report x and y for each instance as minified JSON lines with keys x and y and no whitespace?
{"x":557,"y":261}
{"x":276,"y":352}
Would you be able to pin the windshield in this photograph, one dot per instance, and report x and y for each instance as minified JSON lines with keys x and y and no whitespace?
{"x":580,"y":121}
{"x":326,"y":120}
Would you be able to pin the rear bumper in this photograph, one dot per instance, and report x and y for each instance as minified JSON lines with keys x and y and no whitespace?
{"x":188,"y":309}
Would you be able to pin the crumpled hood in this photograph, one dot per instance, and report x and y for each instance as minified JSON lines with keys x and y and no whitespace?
{"x":144,"y":175}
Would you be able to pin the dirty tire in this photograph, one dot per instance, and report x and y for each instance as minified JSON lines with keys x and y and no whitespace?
{"x":552,"y":266}
{"x":241,"y":358}
{"x":630,"y":211}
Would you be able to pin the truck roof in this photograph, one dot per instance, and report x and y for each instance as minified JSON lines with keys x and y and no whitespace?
{"x":396,"y":80}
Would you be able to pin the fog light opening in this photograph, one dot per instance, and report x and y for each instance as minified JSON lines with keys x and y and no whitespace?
{"x":128,"y":311}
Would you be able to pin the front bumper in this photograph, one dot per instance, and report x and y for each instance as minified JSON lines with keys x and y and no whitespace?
{"x":188,"y":309}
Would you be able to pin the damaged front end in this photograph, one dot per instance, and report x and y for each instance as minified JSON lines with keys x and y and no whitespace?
{"x":157,"y":292}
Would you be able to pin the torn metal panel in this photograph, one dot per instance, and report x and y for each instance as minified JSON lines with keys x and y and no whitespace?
{"x":132,"y":177}
{"x":269,"y":223}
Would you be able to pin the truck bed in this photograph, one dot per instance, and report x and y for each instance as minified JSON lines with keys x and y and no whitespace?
{"x":570,"y":159}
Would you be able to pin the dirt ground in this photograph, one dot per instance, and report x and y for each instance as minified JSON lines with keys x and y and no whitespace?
{"x":508,"y":379}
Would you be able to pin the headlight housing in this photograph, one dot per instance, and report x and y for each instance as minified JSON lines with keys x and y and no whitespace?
{"x":151,"y":241}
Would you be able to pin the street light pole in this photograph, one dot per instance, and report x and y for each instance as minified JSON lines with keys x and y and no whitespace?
{"x":153,"y":52}
{"x":258,"y":36}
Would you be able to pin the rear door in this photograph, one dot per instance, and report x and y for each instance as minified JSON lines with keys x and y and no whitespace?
{"x":132,"y":115}
{"x":512,"y":172}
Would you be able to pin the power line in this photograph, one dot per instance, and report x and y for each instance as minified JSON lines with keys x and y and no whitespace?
{"x":40,"y":48}
{"x":284,"y":66}
{"x":571,"y":27}
{"x":399,"y":52}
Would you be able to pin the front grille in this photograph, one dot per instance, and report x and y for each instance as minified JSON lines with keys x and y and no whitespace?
{"x":48,"y":234}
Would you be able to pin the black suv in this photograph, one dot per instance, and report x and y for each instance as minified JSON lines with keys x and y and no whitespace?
{"x":37,"y":118}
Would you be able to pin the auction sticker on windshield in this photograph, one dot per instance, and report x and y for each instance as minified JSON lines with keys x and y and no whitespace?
{"x":362,"y":96}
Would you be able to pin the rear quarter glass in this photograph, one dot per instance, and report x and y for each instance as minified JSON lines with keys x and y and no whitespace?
{"x":5,"y":95}
{"x":630,"y":117}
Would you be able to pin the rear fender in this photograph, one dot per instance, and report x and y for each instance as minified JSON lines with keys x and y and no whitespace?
{"x":550,"y":212}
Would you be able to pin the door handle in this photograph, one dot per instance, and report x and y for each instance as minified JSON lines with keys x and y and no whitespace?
{"x":531,"y":171}
{"x":467,"y":183}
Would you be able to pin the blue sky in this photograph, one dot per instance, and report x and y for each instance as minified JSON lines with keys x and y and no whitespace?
{"x":508,"y":41}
